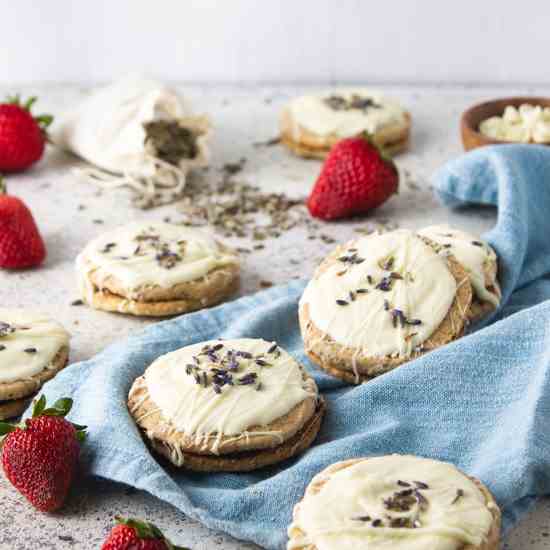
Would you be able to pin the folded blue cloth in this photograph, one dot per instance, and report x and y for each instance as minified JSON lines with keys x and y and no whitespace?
{"x":482,"y":402}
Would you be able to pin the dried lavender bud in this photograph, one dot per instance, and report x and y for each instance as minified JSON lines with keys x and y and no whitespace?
{"x":361,"y":518}
{"x":459,"y":495}
{"x":273,"y":348}
{"x":377,"y":523}
{"x":107,"y":248}
{"x":5,"y":329}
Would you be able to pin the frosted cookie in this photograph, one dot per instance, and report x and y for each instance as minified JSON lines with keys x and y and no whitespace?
{"x":33,"y":348}
{"x":233,"y":405}
{"x":380,"y":301}
{"x":397,"y":501}
{"x":156,"y":269}
{"x":312,"y":124}
{"x":477,"y":258}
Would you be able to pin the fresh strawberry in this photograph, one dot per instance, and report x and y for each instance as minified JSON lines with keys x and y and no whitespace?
{"x":133,"y":534}
{"x":356,"y":177}
{"x":40,"y":455}
{"x":22,"y":136}
{"x":20,"y":242}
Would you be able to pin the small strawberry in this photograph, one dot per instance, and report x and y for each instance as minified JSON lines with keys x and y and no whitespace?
{"x":356,"y":177}
{"x":22,"y":136}
{"x":40,"y":455}
{"x":20,"y":242}
{"x":133,"y":534}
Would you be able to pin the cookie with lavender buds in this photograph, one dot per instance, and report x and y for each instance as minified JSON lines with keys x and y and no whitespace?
{"x":395,"y":501}
{"x":478,"y":259}
{"x":312,"y":124}
{"x":234,"y":405}
{"x":33,"y":349}
{"x":156,"y":270}
{"x":380,"y":301}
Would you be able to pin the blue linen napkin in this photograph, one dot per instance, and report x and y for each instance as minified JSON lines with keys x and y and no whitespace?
{"x":482,"y":402}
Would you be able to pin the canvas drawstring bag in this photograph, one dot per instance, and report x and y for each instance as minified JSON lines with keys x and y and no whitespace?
{"x":137,"y":133}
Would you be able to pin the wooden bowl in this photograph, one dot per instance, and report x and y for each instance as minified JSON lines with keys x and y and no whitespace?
{"x":472,"y":118}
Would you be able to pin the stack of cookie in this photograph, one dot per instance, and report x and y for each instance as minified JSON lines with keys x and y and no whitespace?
{"x":33,"y":348}
{"x":312,"y":124}
{"x":399,"y":502}
{"x":156,"y":270}
{"x":232,"y":405}
{"x":382,"y":300}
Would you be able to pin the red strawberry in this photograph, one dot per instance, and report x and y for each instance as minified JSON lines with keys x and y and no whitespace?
{"x":22,"y":137}
{"x":40,"y":455}
{"x":356,"y":177}
{"x":133,"y":534}
{"x":20,"y":242}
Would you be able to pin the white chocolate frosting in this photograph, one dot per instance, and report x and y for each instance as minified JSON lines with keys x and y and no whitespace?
{"x":29,"y":341}
{"x":528,"y":123}
{"x":141,"y":255}
{"x":347,"y":304}
{"x":449,"y":514}
{"x":266,"y":384}
{"x":469,"y":251}
{"x":313,"y":113}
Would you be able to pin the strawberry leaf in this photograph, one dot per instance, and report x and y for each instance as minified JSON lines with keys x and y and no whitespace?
{"x":29,"y":103}
{"x":39,"y":406}
{"x":44,"y":121}
{"x":6,"y":428}
{"x":64,"y":404}
{"x":81,"y":435}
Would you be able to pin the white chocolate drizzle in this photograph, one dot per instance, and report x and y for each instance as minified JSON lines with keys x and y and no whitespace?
{"x":387,"y":299}
{"x":399,"y":502}
{"x":472,"y":253}
{"x":261,"y":383}
{"x":314,"y":113}
{"x":29,"y":341}
{"x":146,"y":255}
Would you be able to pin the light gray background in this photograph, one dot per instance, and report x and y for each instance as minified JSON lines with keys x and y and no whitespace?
{"x":485,"y":41}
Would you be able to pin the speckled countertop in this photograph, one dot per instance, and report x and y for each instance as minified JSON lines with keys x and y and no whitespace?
{"x":70,"y":212}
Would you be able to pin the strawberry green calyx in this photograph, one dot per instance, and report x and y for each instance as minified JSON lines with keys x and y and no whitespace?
{"x":6,"y":428}
{"x":146,"y":530}
{"x":60,"y":408}
{"x":383,"y":153}
{"x":43,"y":121}
{"x":3,"y":186}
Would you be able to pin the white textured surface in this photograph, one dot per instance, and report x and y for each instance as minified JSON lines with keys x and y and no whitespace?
{"x":241,"y":116}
